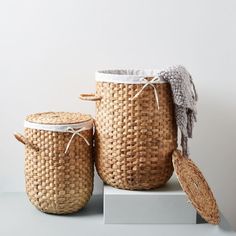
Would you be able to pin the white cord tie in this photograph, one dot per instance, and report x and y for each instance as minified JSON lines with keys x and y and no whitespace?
{"x":76,"y":132}
{"x":151,"y":83}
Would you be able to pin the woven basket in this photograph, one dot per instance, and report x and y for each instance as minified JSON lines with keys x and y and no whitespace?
{"x":134,"y":138}
{"x":58,"y":161}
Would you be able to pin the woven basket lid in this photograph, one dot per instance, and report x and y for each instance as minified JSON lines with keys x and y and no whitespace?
{"x":196,"y":187}
{"x":58,"y":118}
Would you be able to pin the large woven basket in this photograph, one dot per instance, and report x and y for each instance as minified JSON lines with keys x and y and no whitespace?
{"x":58,"y":161}
{"x":135,"y":133}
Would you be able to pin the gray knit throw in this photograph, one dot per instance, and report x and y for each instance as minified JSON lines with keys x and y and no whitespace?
{"x":185,"y":98}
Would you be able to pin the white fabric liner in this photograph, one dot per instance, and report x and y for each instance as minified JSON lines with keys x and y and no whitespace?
{"x":128,"y":76}
{"x":59,"y":128}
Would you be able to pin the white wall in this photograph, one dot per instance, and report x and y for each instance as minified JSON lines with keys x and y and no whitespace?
{"x":49,"y":50}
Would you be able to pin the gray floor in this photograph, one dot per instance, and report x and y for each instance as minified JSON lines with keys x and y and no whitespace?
{"x":19,"y":217}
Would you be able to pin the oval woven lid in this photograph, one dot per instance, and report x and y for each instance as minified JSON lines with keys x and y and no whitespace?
{"x":58,"y":118}
{"x":196,"y":187}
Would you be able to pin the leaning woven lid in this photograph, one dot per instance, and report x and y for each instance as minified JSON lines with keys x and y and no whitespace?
{"x":197,"y":189}
{"x":58,"y":118}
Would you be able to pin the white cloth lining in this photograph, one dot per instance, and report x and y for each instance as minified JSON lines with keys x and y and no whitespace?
{"x":74,"y":129}
{"x":58,"y":128}
{"x":127,"y":76}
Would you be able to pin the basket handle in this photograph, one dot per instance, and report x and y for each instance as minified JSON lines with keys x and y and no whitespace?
{"x":24,"y":141}
{"x":90,"y":97}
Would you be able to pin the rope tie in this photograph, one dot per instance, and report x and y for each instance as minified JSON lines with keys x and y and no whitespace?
{"x":151,"y":83}
{"x":76,"y":132}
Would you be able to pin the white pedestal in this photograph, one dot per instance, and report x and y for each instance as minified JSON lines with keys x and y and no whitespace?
{"x":165,"y":205}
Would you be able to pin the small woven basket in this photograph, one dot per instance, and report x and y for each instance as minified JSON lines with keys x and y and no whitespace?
{"x":59,"y":167}
{"x":135,"y":135}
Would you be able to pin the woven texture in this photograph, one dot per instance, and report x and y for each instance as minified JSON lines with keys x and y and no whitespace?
{"x":134,"y":140}
{"x":194,"y":184}
{"x":56,"y":182}
{"x":185,"y":99}
{"x":58,"y":118}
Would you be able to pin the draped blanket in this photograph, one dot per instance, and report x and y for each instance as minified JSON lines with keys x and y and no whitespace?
{"x":185,"y":98}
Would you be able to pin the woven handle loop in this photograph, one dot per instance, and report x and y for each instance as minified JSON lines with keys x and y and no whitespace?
{"x":20,"y":138}
{"x":90,"y":97}
{"x":24,"y":141}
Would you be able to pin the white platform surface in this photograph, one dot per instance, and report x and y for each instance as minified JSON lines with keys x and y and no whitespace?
{"x":165,"y":205}
{"x":19,"y":217}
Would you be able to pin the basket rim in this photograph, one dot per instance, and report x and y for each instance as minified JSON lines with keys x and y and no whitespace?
{"x":86,"y":125}
{"x":128,"y":76}
{"x":58,"y":118}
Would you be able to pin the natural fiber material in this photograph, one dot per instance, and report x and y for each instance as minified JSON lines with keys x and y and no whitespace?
{"x":197,"y":189}
{"x":134,"y":140}
{"x":57,"y":182}
{"x":183,"y":92}
{"x":57,"y":118}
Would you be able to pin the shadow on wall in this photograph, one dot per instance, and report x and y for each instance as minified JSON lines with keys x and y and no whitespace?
{"x":224,"y":224}
{"x":214,"y":151}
